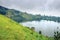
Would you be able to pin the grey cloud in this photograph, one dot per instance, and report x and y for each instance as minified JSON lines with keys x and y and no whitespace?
{"x":32,"y":5}
{"x":55,"y":5}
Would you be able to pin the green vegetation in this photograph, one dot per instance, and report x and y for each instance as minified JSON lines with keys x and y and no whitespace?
{"x":19,"y":16}
{"x":57,"y":34}
{"x":10,"y":30}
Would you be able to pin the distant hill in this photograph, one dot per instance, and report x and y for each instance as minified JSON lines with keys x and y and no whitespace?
{"x":19,"y":16}
{"x":10,"y":30}
{"x":3,"y":10}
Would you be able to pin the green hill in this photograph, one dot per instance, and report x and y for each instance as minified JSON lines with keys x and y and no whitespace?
{"x":20,"y":16}
{"x":10,"y":30}
{"x":16,"y":15}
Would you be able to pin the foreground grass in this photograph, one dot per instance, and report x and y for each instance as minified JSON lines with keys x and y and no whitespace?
{"x":10,"y":30}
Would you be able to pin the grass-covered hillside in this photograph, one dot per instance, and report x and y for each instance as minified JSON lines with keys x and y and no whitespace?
{"x":10,"y":30}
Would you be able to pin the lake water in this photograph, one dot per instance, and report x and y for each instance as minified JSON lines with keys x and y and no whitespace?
{"x":47,"y":27}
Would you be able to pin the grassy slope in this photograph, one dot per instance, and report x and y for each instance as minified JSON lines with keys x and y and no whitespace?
{"x":10,"y":30}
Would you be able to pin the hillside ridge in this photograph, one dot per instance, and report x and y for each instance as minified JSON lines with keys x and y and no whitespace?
{"x":11,"y":30}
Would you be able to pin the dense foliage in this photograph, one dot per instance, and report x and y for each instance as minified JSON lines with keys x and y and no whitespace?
{"x":57,"y":34}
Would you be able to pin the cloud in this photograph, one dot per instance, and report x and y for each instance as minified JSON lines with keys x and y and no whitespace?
{"x":34,"y":6}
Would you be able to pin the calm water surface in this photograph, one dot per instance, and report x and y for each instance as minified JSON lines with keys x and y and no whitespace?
{"x":47,"y":27}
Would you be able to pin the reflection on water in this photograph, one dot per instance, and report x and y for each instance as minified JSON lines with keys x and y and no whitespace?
{"x":47,"y":27}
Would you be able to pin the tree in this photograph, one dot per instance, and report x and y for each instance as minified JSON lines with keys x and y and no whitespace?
{"x":57,"y":34}
{"x":40,"y":32}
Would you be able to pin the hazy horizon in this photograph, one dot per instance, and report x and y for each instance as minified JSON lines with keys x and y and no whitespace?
{"x":43,"y":7}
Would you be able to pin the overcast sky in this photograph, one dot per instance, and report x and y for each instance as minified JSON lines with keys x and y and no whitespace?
{"x":43,"y":7}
